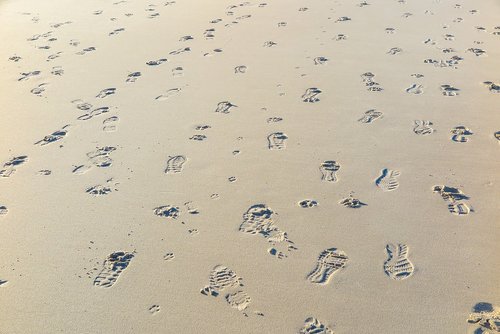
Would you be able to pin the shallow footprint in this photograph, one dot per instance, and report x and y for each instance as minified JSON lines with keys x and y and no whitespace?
{"x":397,"y":266}
{"x":370,"y":116}
{"x":415,"y":89}
{"x":311,"y":95}
{"x":277,"y":141}
{"x":110,"y":124}
{"x":168,"y":94}
{"x":175,"y":164}
{"x":54,"y":136}
{"x":329,"y":170}
{"x":329,"y":261}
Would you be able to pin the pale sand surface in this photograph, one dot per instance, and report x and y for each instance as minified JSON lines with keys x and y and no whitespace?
{"x":55,"y":236}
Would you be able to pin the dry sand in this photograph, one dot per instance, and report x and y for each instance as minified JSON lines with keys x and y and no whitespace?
{"x":215,"y":167}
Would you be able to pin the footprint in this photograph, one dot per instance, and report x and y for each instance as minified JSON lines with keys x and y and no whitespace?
{"x":38,"y":90}
{"x":370,"y":116}
{"x":449,"y":90}
{"x":57,"y":70}
{"x":486,"y":318}
{"x":460,"y":134}
{"x":397,"y":266}
{"x":175,"y":164}
{"x":329,"y":170}
{"x":415,"y":89}
{"x":86,"y":50}
{"x":343,"y":19}
{"x":388,"y":181}
{"x":394,"y":51}
{"x":3,"y":210}
{"x":82,"y":105}
{"x":240,"y":69}
{"x":239,"y":300}
{"x":110,"y":124}
{"x":455,"y":198}
{"x":132,"y":77}
{"x":370,"y":83}
{"x":320,"y":60}
{"x":101,"y":156}
{"x":423,"y":128}
{"x":179,"y":51}
{"x":493,"y":87}
{"x":351,"y":202}
{"x":269,"y":44}
{"x":53,"y":137}
{"x":224,"y":107}
{"x":477,"y":52}
{"x":167,"y":211}
{"x":178,"y":71}
{"x":277,"y":141}
{"x":98,"y":190}
{"x":168,"y":256}
{"x":154,"y":309}
{"x":198,"y":137}
{"x":311,"y":95}
{"x":308,"y":203}
{"x":156,"y":62}
{"x":44,"y":172}
{"x":314,"y":326}
{"x":329,"y":261}
{"x":191,"y":209}
{"x":27,"y":75}
{"x":93,"y":113}
{"x":259,"y":219}
{"x":9,"y":167}
{"x":221,"y":278}
{"x":168,"y":94}
{"x":113,"y":267}
{"x":274,"y":119}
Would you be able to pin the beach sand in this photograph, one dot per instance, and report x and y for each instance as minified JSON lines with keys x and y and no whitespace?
{"x":217,"y":167}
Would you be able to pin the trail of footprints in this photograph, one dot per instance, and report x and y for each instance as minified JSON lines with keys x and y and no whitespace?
{"x":258,"y":219}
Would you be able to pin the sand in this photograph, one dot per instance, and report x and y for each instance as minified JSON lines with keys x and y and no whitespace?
{"x":283,"y":167}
